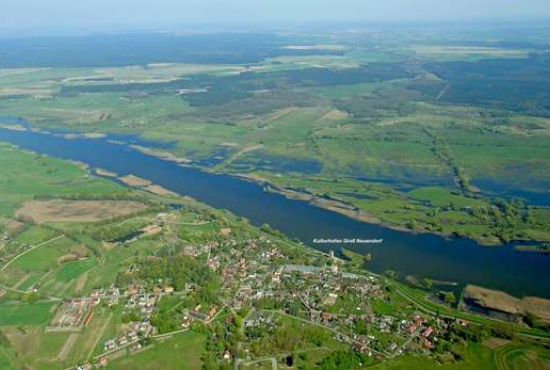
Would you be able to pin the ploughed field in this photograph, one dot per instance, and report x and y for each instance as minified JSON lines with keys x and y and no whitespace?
{"x":76,"y":210}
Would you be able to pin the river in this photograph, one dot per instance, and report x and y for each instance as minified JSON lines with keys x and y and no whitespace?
{"x":423,"y":255}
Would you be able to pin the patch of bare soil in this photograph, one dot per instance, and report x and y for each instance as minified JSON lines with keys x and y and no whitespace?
{"x":66,"y":349}
{"x":335,"y":115}
{"x":102,"y":172}
{"x":159,"y":190}
{"x":135,"y":181}
{"x":492,"y":299}
{"x":67,"y":258}
{"x":13,"y":127}
{"x":23,"y":340}
{"x":160,"y":154}
{"x":537,"y":306}
{"x":151,"y":230}
{"x":494,"y":343}
{"x":59,"y":210}
{"x":80,"y":250}
{"x":500,"y":301}
{"x":13,"y":225}
{"x":80,"y":282}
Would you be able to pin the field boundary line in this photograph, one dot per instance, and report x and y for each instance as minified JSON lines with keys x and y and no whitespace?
{"x":30,"y":250}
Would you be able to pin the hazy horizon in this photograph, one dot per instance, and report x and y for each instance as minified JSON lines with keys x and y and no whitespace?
{"x":58,"y":15}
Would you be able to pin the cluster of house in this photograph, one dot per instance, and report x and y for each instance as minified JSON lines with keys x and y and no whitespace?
{"x":258,"y":319}
{"x":144,"y":302}
{"x":131,"y":336}
{"x":73,"y":314}
{"x":199,"y":313}
{"x":319,"y":289}
{"x":102,"y":362}
{"x":424,"y":333}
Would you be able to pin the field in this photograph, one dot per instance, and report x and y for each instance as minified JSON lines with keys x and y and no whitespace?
{"x":24,"y":314}
{"x":182,"y":351}
{"x":521,"y":357}
{"x":26,"y":175}
{"x":515,"y":356}
{"x":76,"y":211}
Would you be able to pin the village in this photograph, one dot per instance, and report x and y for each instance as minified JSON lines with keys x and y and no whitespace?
{"x":259,"y":286}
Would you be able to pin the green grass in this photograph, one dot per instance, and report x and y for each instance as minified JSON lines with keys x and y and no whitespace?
{"x":8,"y":359}
{"x":35,"y":235}
{"x":71,"y":270}
{"x":24,"y":175}
{"x":476,"y":356}
{"x":169,"y":302}
{"x":439,"y":197}
{"x":521,"y":356}
{"x":183,"y":351}
{"x":36,"y":313}
{"x":44,"y":257}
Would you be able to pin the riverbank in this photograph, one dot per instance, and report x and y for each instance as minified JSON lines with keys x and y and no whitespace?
{"x":533,"y":249}
{"x":411,"y":219}
{"x":351,"y":211}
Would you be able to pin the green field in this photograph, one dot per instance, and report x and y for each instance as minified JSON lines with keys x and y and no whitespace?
{"x":25,"y":175}
{"x":475,"y":357}
{"x":183,"y":351}
{"x":71,"y":270}
{"x":25,"y":314}
{"x":43,"y":258}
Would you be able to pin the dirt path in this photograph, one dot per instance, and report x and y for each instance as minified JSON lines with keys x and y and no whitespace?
{"x":21,"y":281}
{"x":81,"y":282}
{"x":240,"y":153}
{"x":442,"y":92}
{"x":66,"y":349}
{"x":99,"y":334}
{"x":30,"y":250}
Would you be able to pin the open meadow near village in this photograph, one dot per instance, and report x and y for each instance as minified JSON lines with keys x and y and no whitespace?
{"x":335,"y":198}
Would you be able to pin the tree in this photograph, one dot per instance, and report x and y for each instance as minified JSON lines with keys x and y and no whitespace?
{"x":428,"y":283}
{"x":449,"y":298}
{"x":413,"y":225}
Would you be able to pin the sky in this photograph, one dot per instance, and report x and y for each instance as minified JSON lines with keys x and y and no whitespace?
{"x":44,"y":14}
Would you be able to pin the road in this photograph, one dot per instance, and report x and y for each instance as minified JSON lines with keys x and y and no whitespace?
{"x":30,"y":250}
{"x":237,"y":361}
{"x":22,"y":254}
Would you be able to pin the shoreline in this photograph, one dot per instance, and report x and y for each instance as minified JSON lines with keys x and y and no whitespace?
{"x":346,"y":209}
